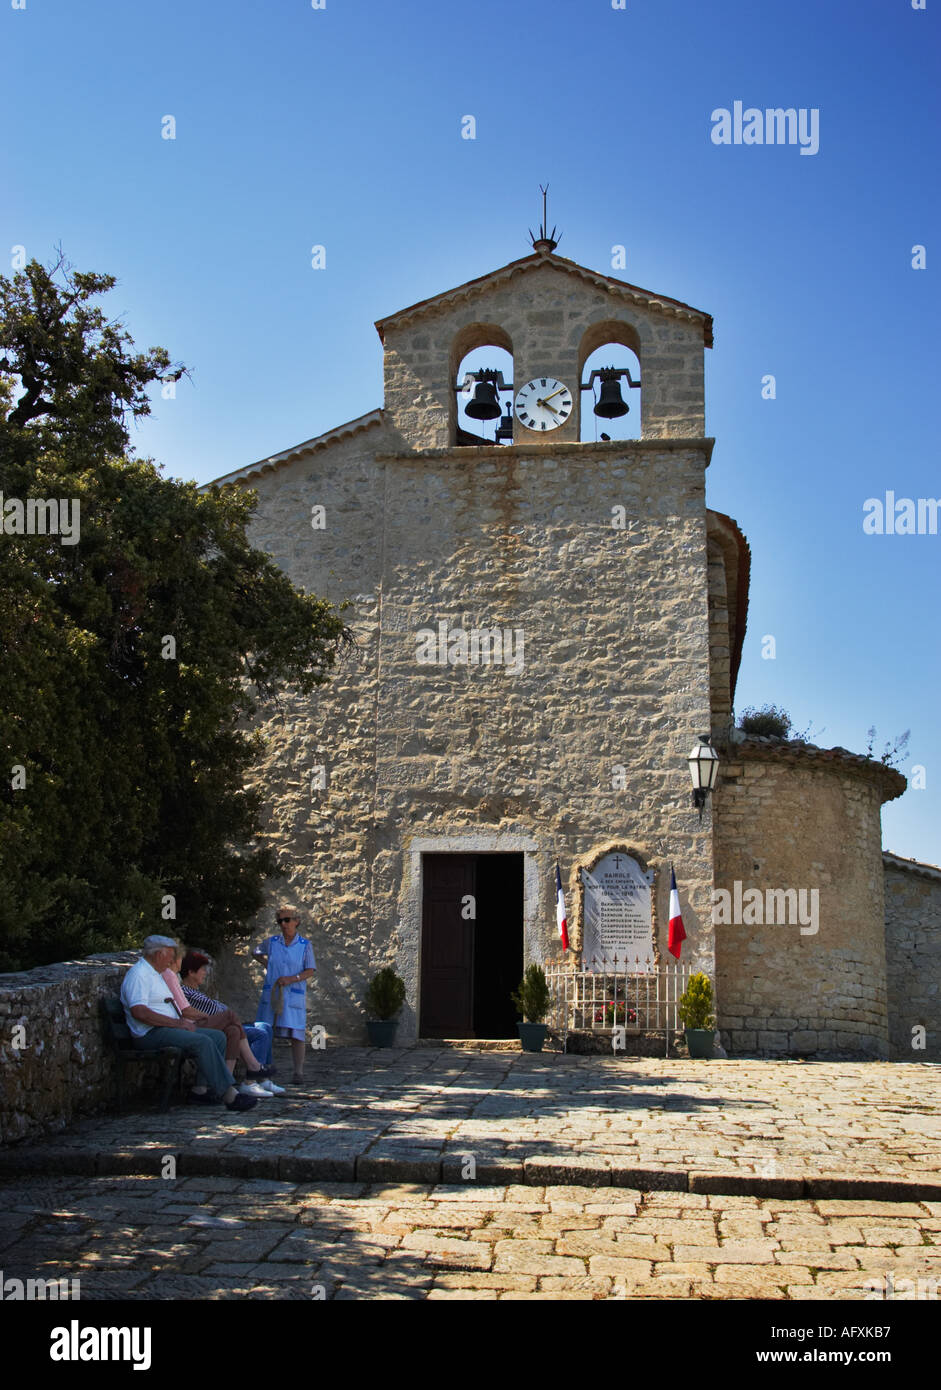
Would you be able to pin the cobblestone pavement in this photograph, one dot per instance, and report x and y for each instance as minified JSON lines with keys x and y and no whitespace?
{"x":219,"y":1238}
{"x":416,"y":1114}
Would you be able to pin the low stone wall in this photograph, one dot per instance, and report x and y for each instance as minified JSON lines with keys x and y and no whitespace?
{"x":54,"y":1062}
{"x":634,"y":1045}
{"x":913,"y":959}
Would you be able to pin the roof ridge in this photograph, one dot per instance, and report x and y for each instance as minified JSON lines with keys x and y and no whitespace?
{"x":676,"y":307}
{"x":319,"y":441}
{"x":916,"y":865}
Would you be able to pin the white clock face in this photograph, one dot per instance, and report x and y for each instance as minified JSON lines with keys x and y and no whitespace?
{"x":543,"y":404}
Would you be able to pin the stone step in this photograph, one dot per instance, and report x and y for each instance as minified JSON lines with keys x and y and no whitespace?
{"x":572,"y":1170}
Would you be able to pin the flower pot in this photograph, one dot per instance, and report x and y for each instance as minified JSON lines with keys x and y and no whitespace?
{"x":382,"y":1032}
{"x":532,"y":1036}
{"x":699,"y":1041}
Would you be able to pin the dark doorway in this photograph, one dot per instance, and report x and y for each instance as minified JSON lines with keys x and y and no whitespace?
{"x":472,"y":944}
{"x":498,"y":957}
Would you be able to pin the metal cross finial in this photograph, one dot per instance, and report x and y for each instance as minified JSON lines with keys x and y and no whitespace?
{"x":545,"y":241}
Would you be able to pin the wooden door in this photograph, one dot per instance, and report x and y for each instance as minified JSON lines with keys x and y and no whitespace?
{"x":447,"y":947}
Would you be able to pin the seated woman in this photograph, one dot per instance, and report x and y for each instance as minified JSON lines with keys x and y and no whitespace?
{"x":194,"y":969}
{"x":209,"y":1013}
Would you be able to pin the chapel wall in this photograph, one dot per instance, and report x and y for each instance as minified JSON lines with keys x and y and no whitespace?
{"x":323,"y":837}
{"x":913,"y":961}
{"x":614,"y":674}
{"x":793,"y":825}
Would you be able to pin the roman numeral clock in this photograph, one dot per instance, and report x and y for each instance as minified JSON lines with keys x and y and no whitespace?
{"x":543,"y":404}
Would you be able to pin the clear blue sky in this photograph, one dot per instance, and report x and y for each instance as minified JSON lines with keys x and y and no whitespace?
{"x":342,"y":127}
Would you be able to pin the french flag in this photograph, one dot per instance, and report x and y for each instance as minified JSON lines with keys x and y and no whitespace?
{"x":560,"y":910}
{"x":677,"y":934}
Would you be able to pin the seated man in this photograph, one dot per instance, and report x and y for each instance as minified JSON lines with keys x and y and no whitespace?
{"x":155,"y":1021}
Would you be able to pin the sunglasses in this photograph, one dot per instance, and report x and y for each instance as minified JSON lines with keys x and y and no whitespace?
{"x":281,"y":920}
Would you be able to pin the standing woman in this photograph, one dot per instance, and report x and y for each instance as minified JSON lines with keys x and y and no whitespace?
{"x":290,"y":964}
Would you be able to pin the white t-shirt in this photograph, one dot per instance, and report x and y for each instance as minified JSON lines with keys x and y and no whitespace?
{"x":144,"y":985}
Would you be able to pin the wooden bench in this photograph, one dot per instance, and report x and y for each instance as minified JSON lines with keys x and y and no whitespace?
{"x":118,"y":1035}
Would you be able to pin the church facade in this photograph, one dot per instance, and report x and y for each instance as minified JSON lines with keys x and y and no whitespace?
{"x":545,"y":626}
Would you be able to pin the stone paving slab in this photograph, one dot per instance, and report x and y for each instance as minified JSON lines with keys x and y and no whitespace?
{"x":815,"y":1130}
{"x":339,"y":1242}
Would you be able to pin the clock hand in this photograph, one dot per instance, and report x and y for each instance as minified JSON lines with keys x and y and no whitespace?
{"x":540,"y":401}
{"x":551,"y":394}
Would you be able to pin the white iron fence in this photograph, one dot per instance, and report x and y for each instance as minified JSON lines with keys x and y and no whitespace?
{"x":610,"y":996}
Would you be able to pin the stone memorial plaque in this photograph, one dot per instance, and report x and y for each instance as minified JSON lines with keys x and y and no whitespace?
{"x":617,"y":916}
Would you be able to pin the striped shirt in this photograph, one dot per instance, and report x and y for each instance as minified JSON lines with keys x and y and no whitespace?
{"x":203,"y":1002}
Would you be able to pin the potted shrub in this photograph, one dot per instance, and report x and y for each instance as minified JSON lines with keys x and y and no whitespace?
{"x":698,"y":1018}
{"x":384,"y":997}
{"x":533,"y":999}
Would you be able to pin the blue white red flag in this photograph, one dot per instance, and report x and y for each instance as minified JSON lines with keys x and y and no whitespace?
{"x":677,"y":933}
{"x":560,"y":910}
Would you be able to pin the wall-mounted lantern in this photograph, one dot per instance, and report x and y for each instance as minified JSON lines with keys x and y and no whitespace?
{"x":703,"y":770}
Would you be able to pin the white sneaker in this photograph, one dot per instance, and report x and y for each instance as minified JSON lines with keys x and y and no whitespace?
{"x":251,"y":1088}
{"x":271,"y":1088}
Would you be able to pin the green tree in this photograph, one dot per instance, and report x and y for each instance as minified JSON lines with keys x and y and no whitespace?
{"x":123,"y":754}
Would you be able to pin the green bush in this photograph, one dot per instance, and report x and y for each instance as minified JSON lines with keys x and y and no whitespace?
{"x":696,"y":1003}
{"x":533,"y":997}
{"x":767,"y":722}
{"x":386,"y":994}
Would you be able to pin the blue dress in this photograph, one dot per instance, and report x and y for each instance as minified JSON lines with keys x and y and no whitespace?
{"x":287,"y":960}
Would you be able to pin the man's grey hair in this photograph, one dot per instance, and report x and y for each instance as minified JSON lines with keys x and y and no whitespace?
{"x":157,"y":943}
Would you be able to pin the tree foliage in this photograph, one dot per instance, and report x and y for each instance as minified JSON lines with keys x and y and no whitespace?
{"x":130,"y":661}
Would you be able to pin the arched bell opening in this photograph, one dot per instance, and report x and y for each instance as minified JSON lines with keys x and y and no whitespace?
{"x":482,"y":386}
{"x":610,"y":382}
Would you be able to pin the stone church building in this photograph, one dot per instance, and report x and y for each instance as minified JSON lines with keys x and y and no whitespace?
{"x":546,"y":624}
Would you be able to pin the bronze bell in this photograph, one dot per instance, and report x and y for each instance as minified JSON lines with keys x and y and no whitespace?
{"x":485,"y":403}
{"x":610,"y":401}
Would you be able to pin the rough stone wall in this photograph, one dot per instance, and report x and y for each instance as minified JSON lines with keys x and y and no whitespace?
{"x":615,"y":673}
{"x":720,"y":648}
{"x":913,"y":960}
{"x":796,"y":825}
{"x":63,"y":1068}
{"x":550,"y":318}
